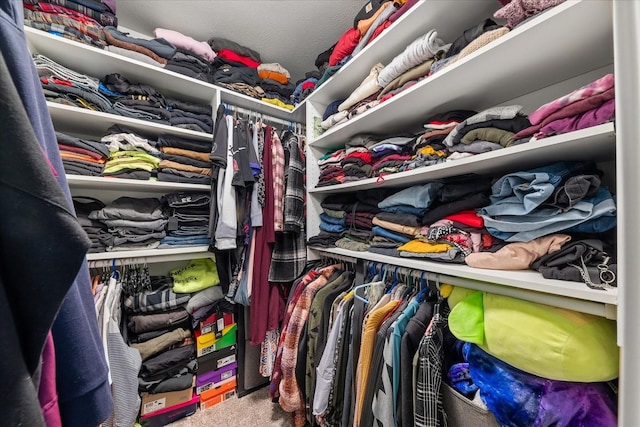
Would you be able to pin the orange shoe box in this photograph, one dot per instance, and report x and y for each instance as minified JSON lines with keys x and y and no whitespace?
{"x":215,"y":396}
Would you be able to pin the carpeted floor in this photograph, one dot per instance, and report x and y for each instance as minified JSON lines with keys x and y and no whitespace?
{"x":253,"y":410}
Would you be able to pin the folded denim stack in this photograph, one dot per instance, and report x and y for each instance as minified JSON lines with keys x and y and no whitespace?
{"x":563,"y":197}
{"x":188,"y":219}
{"x":153,"y":51}
{"x":133,"y":223}
{"x":82,"y":156}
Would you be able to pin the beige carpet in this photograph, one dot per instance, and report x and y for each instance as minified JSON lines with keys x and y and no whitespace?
{"x":253,"y":410}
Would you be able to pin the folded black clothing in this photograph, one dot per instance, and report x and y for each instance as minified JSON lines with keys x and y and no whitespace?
{"x":116,"y":82}
{"x":191,"y":107}
{"x":130,"y":174}
{"x":229,"y":74}
{"x":76,"y":170}
{"x":273,"y":86}
{"x":166,"y":176}
{"x":187,"y":56}
{"x":397,"y":218}
{"x":435,"y":213}
{"x":187,"y":144}
{"x":201,"y":117}
{"x":87,"y":144}
{"x":167,"y":364}
{"x":188,"y":71}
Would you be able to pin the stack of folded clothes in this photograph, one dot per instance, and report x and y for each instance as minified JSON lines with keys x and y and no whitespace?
{"x":65,"y":86}
{"x":184,"y":160}
{"x":96,"y":230}
{"x":131,"y":156}
{"x":153,"y":51}
{"x":236,"y":67}
{"x":330,"y":165}
{"x":82,"y":21}
{"x":590,"y":105}
{"x":159,"y":328}
{"x":191,"y":58}
{"x":190,"y":115}
{"x":488,"y":130}
{"x":276,"y":82}
{"x":135,"y":100}
{"x":133,"y":223}
{"x":188,"y":219}
{"x":82,"y":156}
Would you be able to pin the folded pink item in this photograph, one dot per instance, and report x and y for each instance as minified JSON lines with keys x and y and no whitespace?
{"x":178,"y":39}
{"x":517,"y":11}
{"x":598,"y":86}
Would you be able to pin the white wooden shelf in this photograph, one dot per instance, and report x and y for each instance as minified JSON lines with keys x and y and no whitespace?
{"x":422,"y":17}
{"x":249,"y":103}
{"x":96,"y":62}
{"x":596,"y":142}
{"x":150,"y":255}
{"x":529,"y":285}
{"x":118,"y":184}
{"x":81,"y":121}
{"x":497,"y":72}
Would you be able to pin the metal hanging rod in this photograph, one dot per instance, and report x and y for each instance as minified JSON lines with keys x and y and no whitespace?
{"x":264,"y":117}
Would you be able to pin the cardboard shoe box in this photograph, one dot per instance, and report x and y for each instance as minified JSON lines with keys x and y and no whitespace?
{"x":158,"y":401}
{"x":170,"y":414}
{"x":208,"y":343}
{"x":209,"y":380}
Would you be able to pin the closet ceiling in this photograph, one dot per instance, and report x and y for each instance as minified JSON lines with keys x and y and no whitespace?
{"x":291,"y":32}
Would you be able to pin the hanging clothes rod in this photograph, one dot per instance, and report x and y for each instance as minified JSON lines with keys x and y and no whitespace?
{"x":264,"y":117}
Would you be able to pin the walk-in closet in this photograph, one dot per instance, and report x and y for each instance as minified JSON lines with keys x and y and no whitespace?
{"x":388,"y":213}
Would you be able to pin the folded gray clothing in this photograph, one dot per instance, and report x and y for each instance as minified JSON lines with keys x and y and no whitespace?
{"x":47,"y":67}
{"x":204,"y":297}
{"x":363,"y":140}
{"x":186,"y":233}
{"x":119,"y":241}
{"x":87,"y":144}
{"x":131,"y":174}
{"x":131,"y":208}
{"x":420,"y":50}
{"x":136,"y":113}
{"x":92,"y":97}
{"x":183,"y":55}
{"x":476,"y":147}
{"x":159,"y":46}
{"x":384,"y":251}
{"x":219,"y":43}
{"x":148,"y":107}
{"x":191,"y":122}
{"x":159,"y":344}
{"x":187,"y":144}
{"x":151,"y":244}
{"x":141,"y":323}
{"x":452,"y":255}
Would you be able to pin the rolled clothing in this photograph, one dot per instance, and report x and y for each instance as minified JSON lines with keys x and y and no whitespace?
{"x":420,"y":50}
